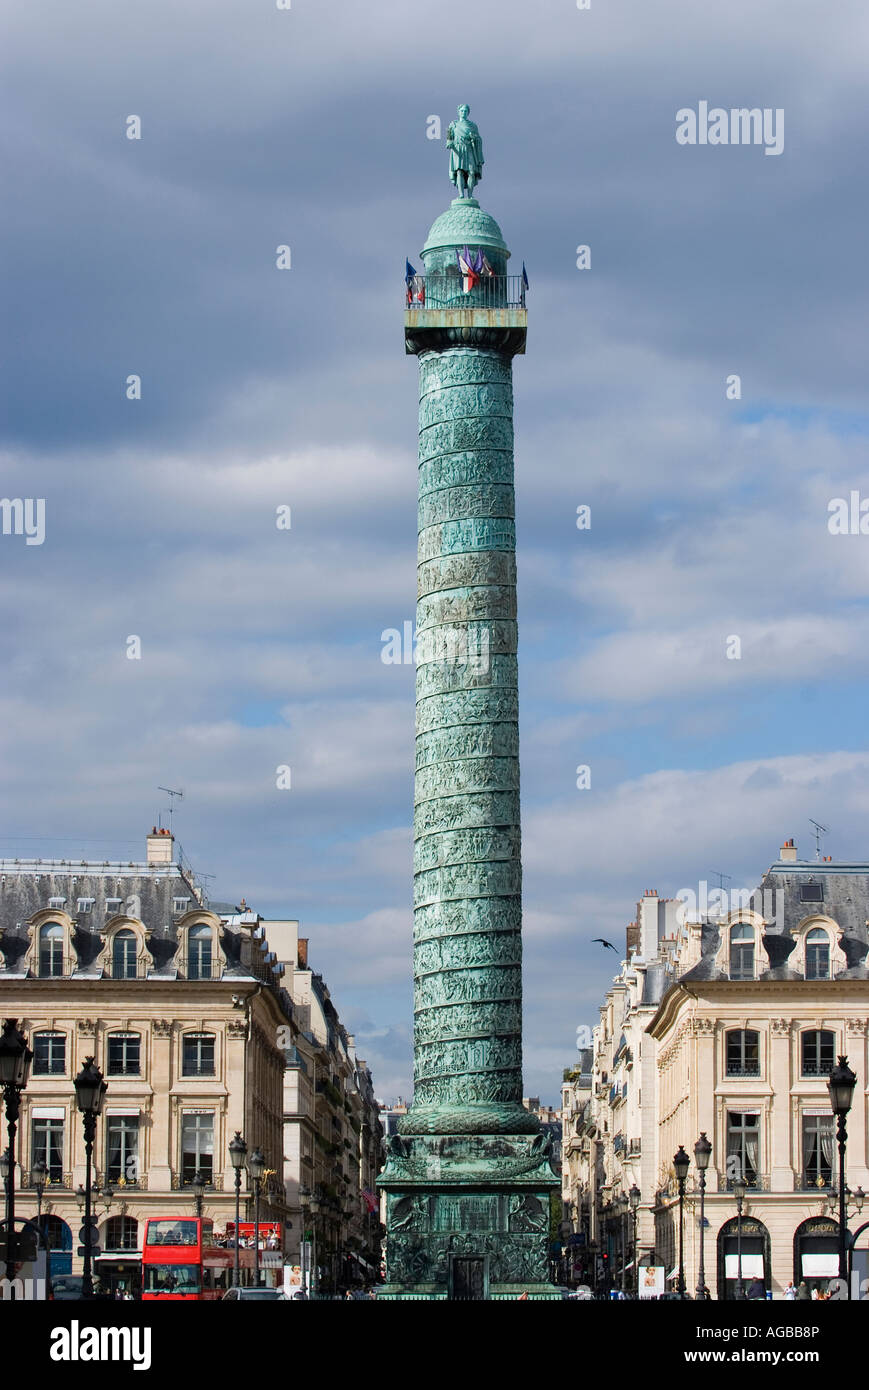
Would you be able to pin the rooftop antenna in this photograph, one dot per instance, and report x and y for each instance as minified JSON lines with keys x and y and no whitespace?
{"x":819,"y":831}
{"x":171,"y":806}
{"x":716,"y":873}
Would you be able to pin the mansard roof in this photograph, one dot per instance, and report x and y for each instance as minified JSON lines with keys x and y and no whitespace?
{"x":149,"y":893}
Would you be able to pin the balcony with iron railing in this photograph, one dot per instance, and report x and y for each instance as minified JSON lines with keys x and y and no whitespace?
{"x":451,"y":290}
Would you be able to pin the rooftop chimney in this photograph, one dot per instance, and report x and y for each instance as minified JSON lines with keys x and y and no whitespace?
{"x":788,"y":853}
{"x":160,"y":846}
{"x":303,"y":953}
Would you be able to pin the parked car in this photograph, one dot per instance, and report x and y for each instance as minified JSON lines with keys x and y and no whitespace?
{"x":261,"y":1295}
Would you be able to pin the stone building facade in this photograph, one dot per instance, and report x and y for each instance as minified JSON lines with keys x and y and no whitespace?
{"x":200,"y":1030}
{"x":727,"y":1025}
{"x":180,"y":1003}
{"x":332,"y":1131}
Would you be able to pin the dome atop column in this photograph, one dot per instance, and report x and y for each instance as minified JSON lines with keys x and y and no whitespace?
{"x":465,"y":223}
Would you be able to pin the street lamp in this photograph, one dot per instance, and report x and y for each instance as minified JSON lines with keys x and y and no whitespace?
{"x":841,"y":1085}
{"x":256,"y":1167}
{"x":90,"y":1094}
{"x":237,"y":1155}
{"x":38,"y":1179}
{"x":107,"y":1196}
{"x":15,"y":1060}
{"x":681,"y":1163}
{"x":624,"y":1208}
{"x":316,"y":1207}
{"x":634,"y":1199}
{"x":702,"y":1154}
{"x":739,"y":1185}
{"x":199,"y":1183}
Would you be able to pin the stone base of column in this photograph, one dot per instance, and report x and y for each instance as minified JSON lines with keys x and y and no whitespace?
{"x":468,"y":1217}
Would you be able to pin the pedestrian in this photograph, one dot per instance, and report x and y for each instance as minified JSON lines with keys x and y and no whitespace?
{"x":803,"y":1291}
{"x":790,"y":1291}
{"x":756,"y":1289}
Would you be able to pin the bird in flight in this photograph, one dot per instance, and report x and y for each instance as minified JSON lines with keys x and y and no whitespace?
{"x":609,"y":944}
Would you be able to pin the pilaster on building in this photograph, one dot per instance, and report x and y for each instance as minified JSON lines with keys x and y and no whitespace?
{"x":727,"y":1024}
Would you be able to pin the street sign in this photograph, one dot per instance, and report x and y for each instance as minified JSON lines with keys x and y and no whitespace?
{"x":94,"y":1233}
{"x":95,"y":1250}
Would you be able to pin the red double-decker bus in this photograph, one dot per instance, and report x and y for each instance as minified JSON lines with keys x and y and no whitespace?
{"x":180,"y":1260}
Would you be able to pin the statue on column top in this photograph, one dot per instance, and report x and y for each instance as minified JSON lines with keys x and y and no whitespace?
{"x":466,"y":153}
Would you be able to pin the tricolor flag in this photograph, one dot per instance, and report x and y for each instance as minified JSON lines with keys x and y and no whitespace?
{"x":524,"y":276}
{"x":487,"y":269}
{"x":415,"y":284}
{"x":471,"y":267}
{"x":369,"y":1199}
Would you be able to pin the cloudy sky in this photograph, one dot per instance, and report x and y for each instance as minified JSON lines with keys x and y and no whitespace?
{"x":264,"y":388}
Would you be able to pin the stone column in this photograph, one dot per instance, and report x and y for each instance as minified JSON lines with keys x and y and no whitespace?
{"x":468,"y":1176}
{"x":467,"y":886}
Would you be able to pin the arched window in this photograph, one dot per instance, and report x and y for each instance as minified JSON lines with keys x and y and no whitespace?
{"x":124,"y":955}
{"x":743,"y":1052}
{"x":817,"y":954}
{"x":49,"y":1053}
{"x":199,"y":952}
{"x":752,"y":1243}
{"x":51,"y":950}
{"x":197,"y":1054}
{"x":742,"y":951}
{"x":58,"y":1238}
{"x":121,"y":1233}
{"x":123,"y":1054}
{"x":818,"y":1049}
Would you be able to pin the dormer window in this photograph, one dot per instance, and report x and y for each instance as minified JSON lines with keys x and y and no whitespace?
{"x":180,"y":905}
{"x":84,"y":904}
{"x":199,"y":952}
{"x":811,"y":892}
{"x":58,"y":903}
{"x":742,"y":951}
{"x":200,"y":955}
{"x":124,"y":955}
{"x":51,"y":951}
{"x":113,"y":906}
{"x":817,"y":954}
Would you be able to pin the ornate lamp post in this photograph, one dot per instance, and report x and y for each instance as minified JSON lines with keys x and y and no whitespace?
{"x":198,"y":1184}
{"x":634,"y":1199}
{"x":237,"y":1155}
{"x":315,"y":1205}
{"x":681,"y":1163}
{"x":90,"y":1094}
{"x":841,"y":1085}
{"x":15,"y":1060}
{"x":38,"y":1180}
{"x":624,"y":1208}
{"x":702,"y":1154}
{"x":739,"y":1185}
{"x":256,"y":1167}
